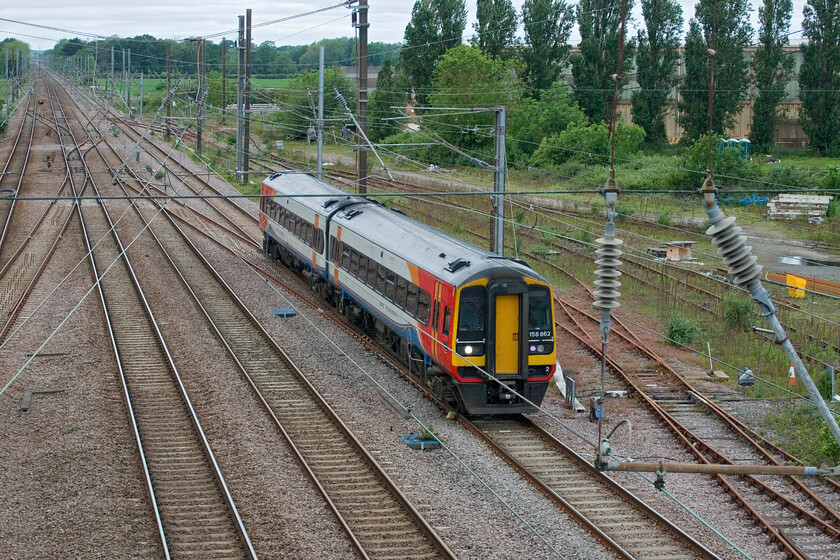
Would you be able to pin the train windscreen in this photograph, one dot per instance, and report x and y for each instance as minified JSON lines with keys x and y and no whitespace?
{"x":472,"y":313}
{"x":540,"y":327}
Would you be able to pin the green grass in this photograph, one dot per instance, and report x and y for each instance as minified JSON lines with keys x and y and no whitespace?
{"x":270,"y":82}
{"x":801,"y":430}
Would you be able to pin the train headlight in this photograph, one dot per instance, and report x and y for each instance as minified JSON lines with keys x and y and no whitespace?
{"x":473,"y":349}
{"x":540,"y":348}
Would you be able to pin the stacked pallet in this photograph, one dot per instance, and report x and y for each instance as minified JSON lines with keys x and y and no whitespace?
{"x":798,"y":206}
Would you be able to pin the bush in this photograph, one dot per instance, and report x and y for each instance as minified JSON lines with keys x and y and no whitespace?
{"x":738,"y":312}
{"x":730,"y":168}
{"x":781,"y":176}
{"x":824,"y":384}
{"x":833,"y":209}
{"x":587,"y":143}
{"x":681,"y":330}
{"x":664,"y":219}
{"x":802,"y":431}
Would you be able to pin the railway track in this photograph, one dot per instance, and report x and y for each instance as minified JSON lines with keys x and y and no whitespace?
{"x":379,"y":519}
{"x":804,"y":530}
{"x":194,"y":512}
{"x":625,"y":525}
{"x":34,"y":245}
{"x":802,"y":523}
{"x":12,"y":175}
{"x":631,"y":543}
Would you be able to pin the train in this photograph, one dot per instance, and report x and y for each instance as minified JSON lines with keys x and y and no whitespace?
{"x":475,"y":328}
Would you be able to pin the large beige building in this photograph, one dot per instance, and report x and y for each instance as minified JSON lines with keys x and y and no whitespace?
{"x":789,"y":133}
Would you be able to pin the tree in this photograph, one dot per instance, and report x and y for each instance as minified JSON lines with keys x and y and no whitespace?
{"x":600,"y":34}
{"x":481,"y":81}
{"x":533,"y":119}
{"x":435,"y":26}
{"x":548,"y":24}
{"x":730,"y":20}
{"x":298,"y":114}
{"x":496,"y":27}
{"x":771,"y":67}
{"x":656,"y":65}
{"x":265,"y":59}
{"x":385,"y":96}
{"x":819,"y":75}
{"x":336,"y":51}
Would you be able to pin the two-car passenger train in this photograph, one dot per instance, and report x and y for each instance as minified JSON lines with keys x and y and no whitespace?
{"x":446,"y":308}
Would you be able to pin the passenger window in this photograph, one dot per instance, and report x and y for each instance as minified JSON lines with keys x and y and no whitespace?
{"x":423,"y":307}
{"x":320,"y":241}
{"x":411,"y":300}
{"x":390,"y":285}
{"x":345,"y":256}
{"x":446,"y":319}
{"x":380,"y":279}
{"x":371,"y":274}
{"x":363,"y":266}
{"x":354,"y":262}
{"x":310,"y":235}
{"x":333,"y":247}
{"x":402,"y":286}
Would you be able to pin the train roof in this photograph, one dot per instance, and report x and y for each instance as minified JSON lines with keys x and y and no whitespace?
{"x":307,"y":190}
{"x":449,"y":258}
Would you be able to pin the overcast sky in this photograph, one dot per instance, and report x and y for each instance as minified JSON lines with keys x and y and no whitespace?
{"x":187,"y":18}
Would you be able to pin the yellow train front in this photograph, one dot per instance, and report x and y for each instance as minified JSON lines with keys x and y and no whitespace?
{"x":475,"y":328}
{"x":504,"y":354}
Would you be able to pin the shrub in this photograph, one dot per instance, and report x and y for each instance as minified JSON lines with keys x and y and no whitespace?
{"x":664,"y":219}
{"x":781,"y":176}
{"x":824,"y":385}
{"x":738,"y":312}
{"x":729,"y":166}
{"x":802,"y":431}
{"x":681,"y":330}
{"x":588,"y":143}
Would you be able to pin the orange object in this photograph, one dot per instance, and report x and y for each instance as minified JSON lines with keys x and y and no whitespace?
{"x":792,"y":375}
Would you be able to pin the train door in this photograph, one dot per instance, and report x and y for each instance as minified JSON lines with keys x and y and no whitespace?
{"x":441,"y":319}
{"x":507,"y":333}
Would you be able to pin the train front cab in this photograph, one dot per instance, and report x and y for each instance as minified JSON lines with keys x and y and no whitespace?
{"x":505,"y":327}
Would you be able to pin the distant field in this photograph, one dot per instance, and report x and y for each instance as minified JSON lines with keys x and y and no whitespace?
{"x":270,"y":82}
{"x":808,"y":161}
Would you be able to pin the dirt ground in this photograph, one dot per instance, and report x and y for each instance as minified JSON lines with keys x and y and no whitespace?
{"x":769,"y":243}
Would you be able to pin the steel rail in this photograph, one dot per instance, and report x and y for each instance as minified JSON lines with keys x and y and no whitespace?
{"x":193,"y":418}
{"x":8,"y":218}
{"x":510,"y":456}
{"x":117,"y":120}
{"x":691,"y":442}
{"x":426,"y":529}
{"x":135,"y":429}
